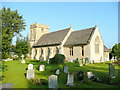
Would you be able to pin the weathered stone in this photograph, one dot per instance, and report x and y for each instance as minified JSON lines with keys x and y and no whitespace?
{"x":30,"y":73}
{"x":30,"y":66}
{"x":53,"y":83}
{"x":57,"y":72}
{"x":111,"y":70}
{"x":42,"y":67}
{"x":65,"y":69}
{"x":70,"y":79}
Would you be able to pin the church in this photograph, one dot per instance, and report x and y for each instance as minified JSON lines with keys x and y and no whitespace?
{"x":86,"y":43}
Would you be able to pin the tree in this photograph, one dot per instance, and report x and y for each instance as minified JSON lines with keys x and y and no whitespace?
{"x":116,"y":50}
{"x":22,"y":47}
{"x":12,"y":24}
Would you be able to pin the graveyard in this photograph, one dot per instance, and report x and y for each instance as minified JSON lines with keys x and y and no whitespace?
{"x":15,"y":72}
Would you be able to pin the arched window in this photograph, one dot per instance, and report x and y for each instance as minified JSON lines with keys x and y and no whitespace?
{"x":57,"y":50}
{"x":97,"y":45}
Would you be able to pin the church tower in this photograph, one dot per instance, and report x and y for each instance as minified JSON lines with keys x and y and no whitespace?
{"x":36,"y":31}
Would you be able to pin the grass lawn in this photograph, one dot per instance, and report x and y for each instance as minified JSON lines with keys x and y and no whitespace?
{"x":14,"y":72}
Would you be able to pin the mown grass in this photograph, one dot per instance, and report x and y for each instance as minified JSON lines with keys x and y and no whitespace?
{"x":15,"y":72}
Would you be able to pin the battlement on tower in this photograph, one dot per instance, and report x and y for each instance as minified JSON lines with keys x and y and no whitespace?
{"x":38,"y":25}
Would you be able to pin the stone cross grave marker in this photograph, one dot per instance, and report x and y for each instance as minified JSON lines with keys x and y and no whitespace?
{"x":111,"y":70}
{"x":80,"y":76}
{"x":57,"y":72}
{"x":70,"y":79}
{"x":80,"y":62}
{"x":42,"y":67}
{"x":30,"y":73}
{"x":52,"y":82}
{"x":30,"y":66}
{"x":22,"y":61}
{"x":66,"y":69}
{"x":90,"y":75}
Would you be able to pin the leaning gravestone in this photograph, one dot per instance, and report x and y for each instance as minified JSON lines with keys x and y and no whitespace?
{"x":30,"y":73}
{"x":111,"y":70}
{"x":65,"y":69}
{"x":30,"y":66}
{"x":52,"y":82}
{"x":80,"y":62}
{"x":70,"y":79}
{"x":80,"y":76}
{"x":57,"y":72}
{"x":42,"y":67}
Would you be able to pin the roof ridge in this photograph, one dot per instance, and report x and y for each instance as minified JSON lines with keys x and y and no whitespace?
{"x":85,"y":29}
{"x":57,"y":31}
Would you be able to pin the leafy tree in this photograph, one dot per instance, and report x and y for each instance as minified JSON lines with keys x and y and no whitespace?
{"x":116,"y":50}
{"x":12,"y":24}
{"x":57,"y":59}
{"x":22,"y":47}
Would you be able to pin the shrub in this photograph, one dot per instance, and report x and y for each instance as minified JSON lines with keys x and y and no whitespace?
{"x":57,"y":59}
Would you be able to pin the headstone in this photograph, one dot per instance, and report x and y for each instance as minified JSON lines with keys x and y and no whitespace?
{"x":80,"y":76}
{"x":30,"y":73}
{"x":86,"y":61}
{"x":7,"y":85}
{"x":70,"y":79}
{"x":111,"y":70}
{"x":41,"y":59}
{"x":65,"y":69}
{"x":52,"y":82}
{"x":57,"y":72}
{"x":22,"y":61}
{"x":80,"y":62}
{"x":90,"y":75}
{"x":42,"y":67}
{"x":30,"y":66}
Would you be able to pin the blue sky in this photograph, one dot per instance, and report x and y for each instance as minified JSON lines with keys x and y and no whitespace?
{"x":59,"y":15}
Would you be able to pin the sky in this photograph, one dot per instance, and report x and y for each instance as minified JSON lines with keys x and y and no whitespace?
{"x":59,"y":15}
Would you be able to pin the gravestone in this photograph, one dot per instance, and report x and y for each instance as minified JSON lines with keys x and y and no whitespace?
{"x":52,"y":82}
{"x":30,"y":73}
{"x":80,"y":62}
{"x":111,"y":70}
{"x":41,"y":59}
{"x":30,"y":66}
{"x":66,"y":69}
{"x":42,"y":67}
{"x":22,"y":61}
{"x":7,"y":85}
{"x":86,"y":61}
{"x":57,"y":72}
{"x":70,"y":79}
{"x":90,"y":75}
{"x":80,"y":76}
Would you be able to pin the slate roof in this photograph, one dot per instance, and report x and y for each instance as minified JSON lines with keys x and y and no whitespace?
{"x":53,"y":38}
{"x":80,"y":37}
{"x":105,"y":49}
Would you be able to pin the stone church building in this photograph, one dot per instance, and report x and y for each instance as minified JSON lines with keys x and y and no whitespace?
{"x":73,"y":44}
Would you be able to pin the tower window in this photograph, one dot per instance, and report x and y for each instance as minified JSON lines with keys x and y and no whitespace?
{"x":71,"y":51}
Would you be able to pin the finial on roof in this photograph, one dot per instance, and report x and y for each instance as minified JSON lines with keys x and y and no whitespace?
{"x":70,"y":25}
